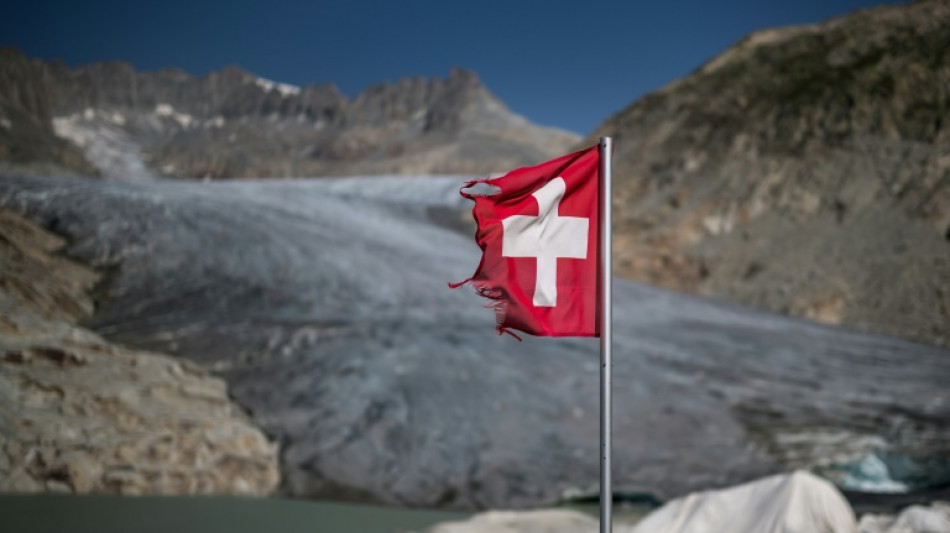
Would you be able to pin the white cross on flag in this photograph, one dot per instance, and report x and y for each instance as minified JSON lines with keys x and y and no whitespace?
{"x":538,"y":236}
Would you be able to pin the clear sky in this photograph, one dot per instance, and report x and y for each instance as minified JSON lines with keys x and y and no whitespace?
{"x":565,"y":64}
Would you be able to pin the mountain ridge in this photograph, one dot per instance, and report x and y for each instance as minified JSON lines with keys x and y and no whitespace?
{"x":233,"y":123}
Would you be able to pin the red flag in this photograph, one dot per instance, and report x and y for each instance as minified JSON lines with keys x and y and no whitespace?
{"x":539,"y":239}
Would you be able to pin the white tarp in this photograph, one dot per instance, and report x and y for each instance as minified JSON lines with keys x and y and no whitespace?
{"x":799,"y":502}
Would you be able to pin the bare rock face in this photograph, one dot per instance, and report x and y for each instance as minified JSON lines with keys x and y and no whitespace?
{"x":802,"y":171}
{"x":82,"y":415}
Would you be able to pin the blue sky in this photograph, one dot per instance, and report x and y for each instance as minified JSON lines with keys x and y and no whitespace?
{"x":566,"y":64}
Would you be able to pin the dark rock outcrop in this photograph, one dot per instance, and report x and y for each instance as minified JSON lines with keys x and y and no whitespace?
{"x":326,"y":311}
{"x":805,"y":170}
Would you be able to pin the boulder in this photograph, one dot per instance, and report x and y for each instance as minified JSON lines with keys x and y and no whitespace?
{"x":786,"y":503}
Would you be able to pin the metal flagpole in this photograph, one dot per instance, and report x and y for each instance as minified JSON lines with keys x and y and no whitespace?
{"x":606,"y":280}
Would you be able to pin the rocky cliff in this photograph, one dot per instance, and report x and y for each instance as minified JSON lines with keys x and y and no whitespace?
{"x":78,"y":414}
{"x":231,"y":123}
{"x":805,"y":170}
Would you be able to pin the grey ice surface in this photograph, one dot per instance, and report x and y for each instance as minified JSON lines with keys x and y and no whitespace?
{"x":324,"y":304}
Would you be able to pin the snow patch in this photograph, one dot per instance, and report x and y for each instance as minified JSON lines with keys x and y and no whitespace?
{"x":285,"y":89}
{"x":167,"y":111}
{"x":116,"y":118}
{"x":68,"y":128}
{"x":216,"y":122}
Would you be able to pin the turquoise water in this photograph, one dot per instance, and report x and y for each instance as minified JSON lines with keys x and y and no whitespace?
{"x":147,"y":514}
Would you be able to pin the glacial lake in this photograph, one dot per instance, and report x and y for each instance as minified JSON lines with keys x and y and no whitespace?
{"x":49,"y":513}
{"x":174,"y":514}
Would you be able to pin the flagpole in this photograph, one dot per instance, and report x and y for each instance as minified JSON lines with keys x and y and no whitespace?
{"x":606,"y":277}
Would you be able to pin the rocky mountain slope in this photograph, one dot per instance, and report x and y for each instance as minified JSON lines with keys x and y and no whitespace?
{"x":78,"y":414}
{"x":231,"y":123}
{"x":27,"y":140}
{"x":324,"y":305}
{"x":805,"y":170}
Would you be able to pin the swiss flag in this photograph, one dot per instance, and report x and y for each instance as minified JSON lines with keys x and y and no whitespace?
{"x":539,"y":238}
